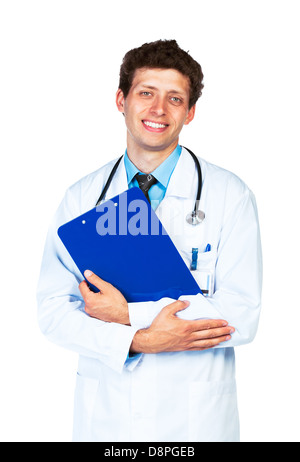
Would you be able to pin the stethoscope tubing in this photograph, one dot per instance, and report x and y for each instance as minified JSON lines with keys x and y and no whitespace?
{"x":199,"y":189}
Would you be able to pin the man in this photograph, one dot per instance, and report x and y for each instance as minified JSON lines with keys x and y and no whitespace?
{"x":164,"y":370}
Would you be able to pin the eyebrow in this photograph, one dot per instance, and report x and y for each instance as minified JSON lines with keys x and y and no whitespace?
{"x":149,"y":86}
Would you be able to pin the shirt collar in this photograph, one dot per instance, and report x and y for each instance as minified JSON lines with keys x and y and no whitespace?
{"x":162,"y":173}
{"x":131,"y":169}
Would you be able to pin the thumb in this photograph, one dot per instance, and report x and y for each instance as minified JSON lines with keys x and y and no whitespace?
{"x":95,"y":280}
{"x":179,"y":305}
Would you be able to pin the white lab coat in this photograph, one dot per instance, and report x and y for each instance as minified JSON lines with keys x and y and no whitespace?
{"x":165,"y":397}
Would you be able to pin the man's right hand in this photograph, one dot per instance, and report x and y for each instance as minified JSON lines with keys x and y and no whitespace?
{"x":170,"y":333}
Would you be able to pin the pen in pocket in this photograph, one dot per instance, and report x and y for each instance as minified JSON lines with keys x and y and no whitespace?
{"x":194,"y":259}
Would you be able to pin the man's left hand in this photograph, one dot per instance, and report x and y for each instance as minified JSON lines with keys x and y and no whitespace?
{"x":107,"y":305}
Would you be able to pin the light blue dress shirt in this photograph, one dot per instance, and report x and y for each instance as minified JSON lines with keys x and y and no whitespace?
{"x":162,"y":173}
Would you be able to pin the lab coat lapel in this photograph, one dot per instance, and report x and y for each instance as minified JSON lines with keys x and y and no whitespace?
{"x":183,"y":178}
{"x":179,"y":201}
{"x":119,"y":183}
{"x":181,"y":191}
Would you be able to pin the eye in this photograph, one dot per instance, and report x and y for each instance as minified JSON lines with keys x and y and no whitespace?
{"x":176,"y":100}
{"x":145,"y":93}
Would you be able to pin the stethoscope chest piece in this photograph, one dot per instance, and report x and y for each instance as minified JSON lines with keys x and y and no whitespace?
{"x":195,"y":217}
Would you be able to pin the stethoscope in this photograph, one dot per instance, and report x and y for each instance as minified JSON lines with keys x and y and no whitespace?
{"x":193,"y":218}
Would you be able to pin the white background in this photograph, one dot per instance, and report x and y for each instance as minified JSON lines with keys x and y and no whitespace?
{"x":59,"y":74}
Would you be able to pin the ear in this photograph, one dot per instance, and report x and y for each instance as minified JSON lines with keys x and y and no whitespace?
{"x":191,"y":115}
{"x":120,"y":100}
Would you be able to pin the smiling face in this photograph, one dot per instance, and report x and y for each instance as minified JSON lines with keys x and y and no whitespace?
{"x":156,"y":109}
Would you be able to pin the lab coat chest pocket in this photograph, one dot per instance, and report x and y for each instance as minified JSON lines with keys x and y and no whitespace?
{"x":205,"y":271}
{"x":213,"y":413}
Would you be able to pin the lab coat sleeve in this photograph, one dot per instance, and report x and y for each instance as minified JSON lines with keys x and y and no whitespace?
{"x":238,"y":278}
{"x":61,"y":313}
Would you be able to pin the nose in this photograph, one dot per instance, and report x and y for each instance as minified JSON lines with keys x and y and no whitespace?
{"x":158,"y":107}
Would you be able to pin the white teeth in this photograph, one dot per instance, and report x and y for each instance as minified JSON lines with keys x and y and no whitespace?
{"x":154,"y":125}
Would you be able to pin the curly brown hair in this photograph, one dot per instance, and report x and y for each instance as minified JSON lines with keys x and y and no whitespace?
{"x":162,"y":54}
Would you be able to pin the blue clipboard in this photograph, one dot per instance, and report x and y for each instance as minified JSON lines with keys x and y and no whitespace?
{"x":123,"y":241}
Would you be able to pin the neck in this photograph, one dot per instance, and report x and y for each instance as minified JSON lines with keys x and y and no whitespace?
{"x":146,"y":160}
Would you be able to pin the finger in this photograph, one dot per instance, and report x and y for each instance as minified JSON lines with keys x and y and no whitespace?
{"x":212,"y":333}
{"x":174,"y":307}
{"x":84,"y":289}
{"x":96,"y":281}
{"x":208,"y":343}
{"x":206,"y":324}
